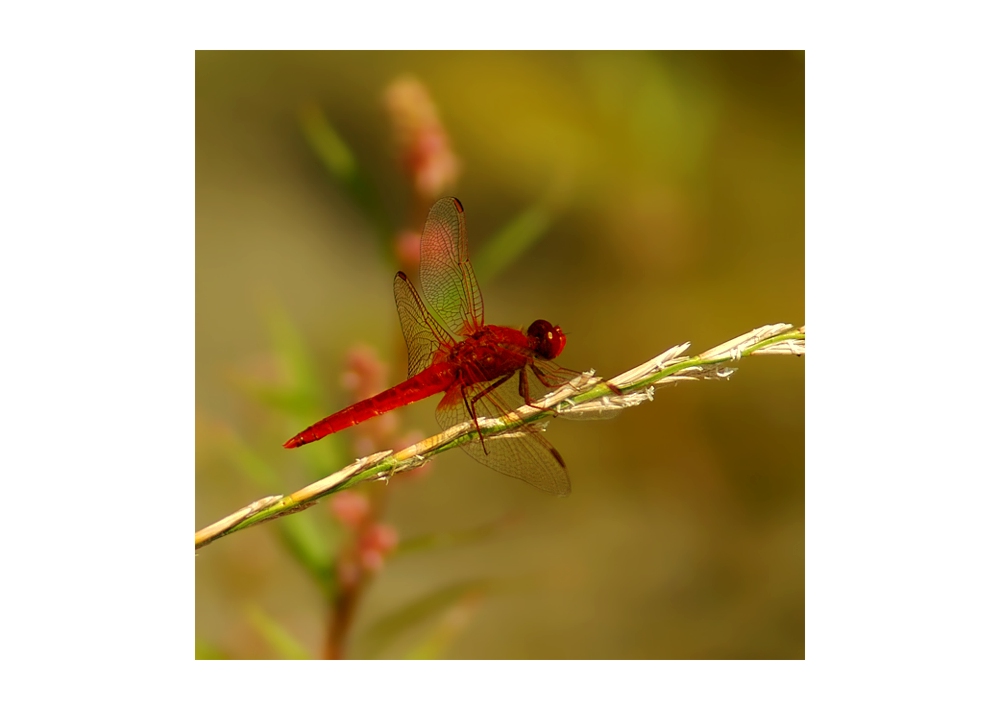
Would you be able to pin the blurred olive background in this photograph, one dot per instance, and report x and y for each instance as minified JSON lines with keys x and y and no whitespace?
{"x":668,"y":190}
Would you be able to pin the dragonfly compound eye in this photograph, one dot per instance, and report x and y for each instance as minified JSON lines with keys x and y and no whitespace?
{"x":549,"y":339}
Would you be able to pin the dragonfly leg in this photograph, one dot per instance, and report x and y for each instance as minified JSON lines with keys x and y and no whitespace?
{"x":471,"y":406}
{"x":522,"y":388}
{"x":472,"y":415}
{"x":542,"y":376}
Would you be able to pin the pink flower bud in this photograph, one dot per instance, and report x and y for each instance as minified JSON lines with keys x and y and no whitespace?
{"x":377,"y":542}
{"x":372,"y":560}
{"x":424,"y":145}
{"x":365,"y":374}
{"x":407,"y":244}
{"x":350,"y":508}
{"x":383,"y":537}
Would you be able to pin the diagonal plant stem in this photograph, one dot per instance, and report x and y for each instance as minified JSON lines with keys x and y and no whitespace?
{"x":585,"y":397}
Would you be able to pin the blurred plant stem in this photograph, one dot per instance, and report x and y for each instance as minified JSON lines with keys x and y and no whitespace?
{"x":430,"y":167}
{"x":359,"y":559}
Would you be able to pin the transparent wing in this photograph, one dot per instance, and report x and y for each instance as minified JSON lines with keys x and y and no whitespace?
{"x":548,"y":376}
{"x":424,"y":336}
{"x":525,"y":454}
{"x":553,"y":376}
{"x":446,"y":275}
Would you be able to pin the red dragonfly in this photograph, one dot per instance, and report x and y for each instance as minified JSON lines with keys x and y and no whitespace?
{"x":483,"y":370}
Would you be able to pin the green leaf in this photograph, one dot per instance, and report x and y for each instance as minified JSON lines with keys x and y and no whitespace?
{"x":310,"y":548}
{"x":509,"y":243}
{"x":383,"y":632}
{"x":327,"y":144}
{"x":205,"y":651}
{"x":439,"y":540}
{"x":304,"y":390}
{"x":280,"y":641}
{"x":294,"y":355}
{"x":248,"y":462}
{"x":280,"y":399}
{"x":333,"y":151}
{"x":443,"y":634}
{"x":299,"y":533}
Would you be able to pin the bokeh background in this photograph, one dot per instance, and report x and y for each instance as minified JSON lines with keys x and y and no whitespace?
{"x":639,"y":200}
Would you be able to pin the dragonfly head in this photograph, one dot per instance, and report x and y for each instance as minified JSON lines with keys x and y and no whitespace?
{"x":549,"y":339}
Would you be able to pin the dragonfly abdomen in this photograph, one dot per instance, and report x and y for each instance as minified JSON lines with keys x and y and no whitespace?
{"x":435,"y":379}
